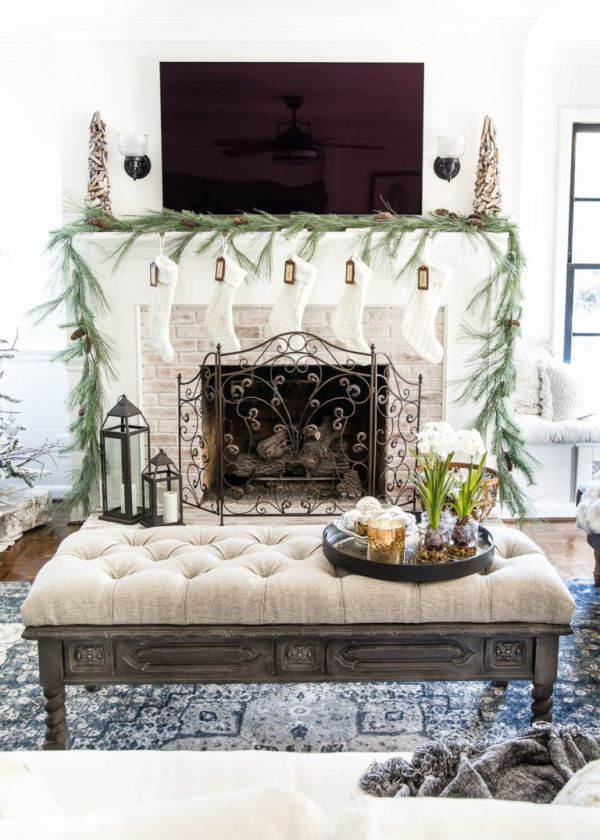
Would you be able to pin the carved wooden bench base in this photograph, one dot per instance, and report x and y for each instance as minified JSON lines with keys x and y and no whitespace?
{"x":95,"y":656}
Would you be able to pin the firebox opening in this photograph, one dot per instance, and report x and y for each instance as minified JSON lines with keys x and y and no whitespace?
{"x":300,"y":432}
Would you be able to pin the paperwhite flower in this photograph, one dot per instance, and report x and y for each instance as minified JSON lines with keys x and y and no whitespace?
{"x":468,"y":445}
{"x":437,"y":439}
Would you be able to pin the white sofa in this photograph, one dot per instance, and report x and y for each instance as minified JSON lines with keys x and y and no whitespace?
{"x":213,"y":796}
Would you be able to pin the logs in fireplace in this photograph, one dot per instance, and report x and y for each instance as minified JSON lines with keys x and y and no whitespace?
{"x":296,"y":426}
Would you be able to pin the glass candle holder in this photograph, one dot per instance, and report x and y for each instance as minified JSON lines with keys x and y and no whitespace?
{"x":386,"y":539}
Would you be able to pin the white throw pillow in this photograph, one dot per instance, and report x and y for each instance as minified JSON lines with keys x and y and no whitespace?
{"x":583,"y":788}
{"x":258,"y":813}
{"x":574,"y":392}
{"x":22,"y":792}
{"x":463,"y":819}
{"x":532,"y":393}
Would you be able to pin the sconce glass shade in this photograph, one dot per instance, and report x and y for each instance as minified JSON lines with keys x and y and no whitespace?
{"x":132,"y":144}
{"x":451,"y":146}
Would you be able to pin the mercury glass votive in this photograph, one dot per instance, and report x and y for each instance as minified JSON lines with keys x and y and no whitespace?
{"x":386,"y":540}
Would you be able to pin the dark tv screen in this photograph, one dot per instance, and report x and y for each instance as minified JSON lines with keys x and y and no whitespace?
{"x":285,"y":137}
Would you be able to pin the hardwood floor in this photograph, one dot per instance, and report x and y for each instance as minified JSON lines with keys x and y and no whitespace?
{"x":564,"y":544}
{"x":24,"y":559}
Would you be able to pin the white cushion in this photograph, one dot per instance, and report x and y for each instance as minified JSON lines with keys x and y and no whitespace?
{"x":145,"y":777}
{"x":536,"y":430}
{"x":583,"y":789}
{"x":257,"y":575}
{"x":23,"y":792}
{"x":574,"y":392}
{"x":463,"y":819}
{"x":258,"y":813}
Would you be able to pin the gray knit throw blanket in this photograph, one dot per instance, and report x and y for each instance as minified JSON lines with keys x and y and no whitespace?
{"x":531,"y":767}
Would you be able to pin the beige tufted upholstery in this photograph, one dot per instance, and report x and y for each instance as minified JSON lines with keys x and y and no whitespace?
{"x":260,"y":575}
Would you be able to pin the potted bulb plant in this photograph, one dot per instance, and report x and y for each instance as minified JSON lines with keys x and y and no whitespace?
{"x":466,"y":496}
{"x":468,"y":491}
{"x":433,"y":483}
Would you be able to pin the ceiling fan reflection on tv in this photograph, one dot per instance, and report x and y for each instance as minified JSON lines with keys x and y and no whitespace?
{"x":294,"y":142}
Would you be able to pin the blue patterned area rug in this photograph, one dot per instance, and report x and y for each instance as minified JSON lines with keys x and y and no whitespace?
{"x":324,"y":717}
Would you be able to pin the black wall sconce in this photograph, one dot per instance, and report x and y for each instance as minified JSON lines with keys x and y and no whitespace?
{"x":450,"y":148}
{"x":133,"y":147}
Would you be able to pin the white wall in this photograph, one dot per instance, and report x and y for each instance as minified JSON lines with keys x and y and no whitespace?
{"x":471,"y":69}
{"x":562,"y":72}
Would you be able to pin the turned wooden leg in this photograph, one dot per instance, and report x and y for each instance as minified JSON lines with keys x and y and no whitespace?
{"x":541,"y":708}
{"x":597,"y":567}
{"x":51,"y":678}
{"x":500,"y":683}
{"x":57,"y":733}
{"x":545,"y":670}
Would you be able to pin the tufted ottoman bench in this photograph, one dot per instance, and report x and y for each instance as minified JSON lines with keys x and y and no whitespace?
{"x":256,"y":604}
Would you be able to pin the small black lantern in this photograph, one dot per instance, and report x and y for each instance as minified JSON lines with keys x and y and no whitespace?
{"x":161,"y":492}
{"x":124,"y":448}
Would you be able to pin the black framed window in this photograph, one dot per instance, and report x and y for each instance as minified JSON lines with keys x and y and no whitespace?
{"x":582,"y":311}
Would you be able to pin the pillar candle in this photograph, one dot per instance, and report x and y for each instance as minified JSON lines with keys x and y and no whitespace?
{"x":170,"y":507}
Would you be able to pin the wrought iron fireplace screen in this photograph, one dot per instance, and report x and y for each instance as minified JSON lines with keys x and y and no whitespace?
{"x":296,"y":426}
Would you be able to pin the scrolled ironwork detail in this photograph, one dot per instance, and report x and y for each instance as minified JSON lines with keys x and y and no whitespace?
{"x":296,"y":425}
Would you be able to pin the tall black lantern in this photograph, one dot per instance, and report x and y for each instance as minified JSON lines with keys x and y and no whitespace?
{"x":125,"y":448}
{"x":161,"y":492}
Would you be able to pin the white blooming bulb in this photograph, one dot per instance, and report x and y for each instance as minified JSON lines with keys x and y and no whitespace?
{"x":437,"y":439}
{"x":468,"y":445}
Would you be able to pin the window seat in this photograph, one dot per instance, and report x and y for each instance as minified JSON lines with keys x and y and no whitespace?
{"x":536,"y":430}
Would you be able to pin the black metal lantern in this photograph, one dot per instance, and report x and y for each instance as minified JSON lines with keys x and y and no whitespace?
{"x":161,"y":492}
{"x":124,"y":448}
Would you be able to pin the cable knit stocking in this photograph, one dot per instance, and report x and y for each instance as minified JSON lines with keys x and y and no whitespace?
{"x":159,"y":308}
{"x":287,"y":311}
{"x":347,"y":319}
{"x":219,"y":312}
{"x":418,"y":323}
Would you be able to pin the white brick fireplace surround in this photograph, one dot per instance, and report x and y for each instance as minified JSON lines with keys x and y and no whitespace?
{"x":152,"y":385}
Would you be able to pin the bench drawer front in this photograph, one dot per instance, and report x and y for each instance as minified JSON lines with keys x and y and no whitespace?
{"x":190,"y":659}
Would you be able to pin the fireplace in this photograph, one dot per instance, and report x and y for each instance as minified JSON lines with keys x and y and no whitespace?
{"x":296,"y":426}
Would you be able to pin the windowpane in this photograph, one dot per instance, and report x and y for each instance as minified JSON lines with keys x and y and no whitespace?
{"x":586,"y":301}
{"x":586,"y":232}
{"x":585,"y":353}
{"x":587,"y":171}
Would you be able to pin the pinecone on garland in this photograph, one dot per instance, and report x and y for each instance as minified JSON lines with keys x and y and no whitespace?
{"x":441,"y":211}
{"x":383,"y":216}
{"x":81,"y":411}
{"x":240,"y":220}
{"x":189,"y":223}
{"x":476,"y":220}
{"x":98,"y":221}
{"x":78,"y":333}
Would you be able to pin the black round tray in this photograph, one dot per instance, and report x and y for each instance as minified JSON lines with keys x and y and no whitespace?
{"x":347,"y":553}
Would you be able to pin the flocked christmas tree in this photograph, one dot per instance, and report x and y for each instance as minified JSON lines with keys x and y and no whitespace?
{"x":17,"y":461}
{"x":488,"y":195}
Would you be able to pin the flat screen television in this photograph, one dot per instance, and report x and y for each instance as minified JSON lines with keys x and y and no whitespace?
{"x":282,"y":137}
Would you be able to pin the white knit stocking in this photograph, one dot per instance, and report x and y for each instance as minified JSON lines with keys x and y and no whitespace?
{"x":159,"y":308}
{"x":347,"y":319}
{"x":218,"y":320}
{"x":418,"y":322}
{"x":287,"y":311}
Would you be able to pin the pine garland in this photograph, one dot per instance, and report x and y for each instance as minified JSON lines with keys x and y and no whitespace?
{"x":497,"y":301}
